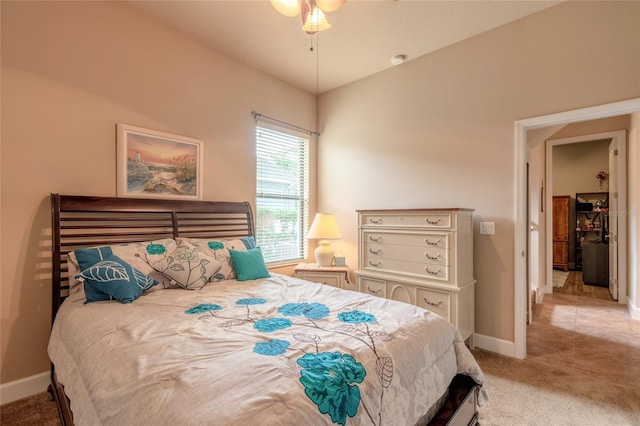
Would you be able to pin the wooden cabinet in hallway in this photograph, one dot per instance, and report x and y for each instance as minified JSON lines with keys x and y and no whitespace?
{"x":561,"y":231}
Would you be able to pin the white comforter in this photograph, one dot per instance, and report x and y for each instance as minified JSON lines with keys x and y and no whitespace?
{"x":276,"y":351}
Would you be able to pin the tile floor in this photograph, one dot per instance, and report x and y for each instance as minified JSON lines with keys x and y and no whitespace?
{"x":581,"y":329}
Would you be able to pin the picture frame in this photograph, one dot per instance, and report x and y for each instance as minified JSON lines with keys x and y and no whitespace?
{"x":153,"y":164}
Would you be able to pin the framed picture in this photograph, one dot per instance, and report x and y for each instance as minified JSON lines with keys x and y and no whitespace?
{"x":152,"y":164}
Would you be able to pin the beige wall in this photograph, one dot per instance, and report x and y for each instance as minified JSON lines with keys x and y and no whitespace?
{"x":590,"y":127}
{"x":587,"y":158}
{"x":575,"y":166}
{"x":439,"y":130}
{"x":70,"y":72}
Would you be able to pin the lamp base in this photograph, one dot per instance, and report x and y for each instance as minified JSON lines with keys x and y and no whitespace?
{"x":324,"y":253}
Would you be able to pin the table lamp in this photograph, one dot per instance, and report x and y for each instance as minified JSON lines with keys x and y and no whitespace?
{"x":324,"y":228}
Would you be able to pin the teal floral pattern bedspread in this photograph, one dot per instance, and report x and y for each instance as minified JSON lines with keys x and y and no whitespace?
{"x":275,"y":351}
{"x":330,"y":379}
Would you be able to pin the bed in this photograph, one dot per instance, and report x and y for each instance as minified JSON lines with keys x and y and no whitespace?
{"x":238,"y":344}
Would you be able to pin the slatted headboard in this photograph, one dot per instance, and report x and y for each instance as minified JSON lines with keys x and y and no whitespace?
{"x":80,"y":221}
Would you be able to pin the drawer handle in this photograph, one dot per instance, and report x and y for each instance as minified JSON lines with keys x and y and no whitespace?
{"x":376,"y":220}
{"x":432,"y":257}
{"x":433,"y":222}
{"x":429,"y":271}
{"x":375,"y":239}
{"x":432,"y":243}
{"x":431,"y":303}
{"x":372,"y":291}
{"x":375,"y":251}
{"x":375,"y":264}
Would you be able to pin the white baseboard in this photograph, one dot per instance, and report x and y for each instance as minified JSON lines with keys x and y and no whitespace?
{"x":23,"y":388}
{"x":634,"y":311}
{"x":493,"y":344}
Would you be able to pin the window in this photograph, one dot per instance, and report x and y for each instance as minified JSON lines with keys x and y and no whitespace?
{"x":282,"y":192}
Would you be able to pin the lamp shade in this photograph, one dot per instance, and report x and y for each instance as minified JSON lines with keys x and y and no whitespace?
{"x":324,"y":227}
{"x":330,"y":5}
{"x":315,"y":21}
{"x":287,"y":7}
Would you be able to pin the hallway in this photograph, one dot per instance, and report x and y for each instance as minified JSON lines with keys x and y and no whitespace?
{"x":581,"y":329}
{"x":574,"y":286}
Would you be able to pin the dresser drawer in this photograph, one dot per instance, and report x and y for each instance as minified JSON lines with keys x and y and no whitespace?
{"x":435,"y":240}
{"x":418,"y":269}
{"x":332,"y":280}
{"x":432,"y":256}
{"x":438,"y":302}
{"x":422,"y":220}
{"x":373,"y":287}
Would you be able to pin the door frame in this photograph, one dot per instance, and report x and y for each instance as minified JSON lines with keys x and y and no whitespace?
{"x":521,"y":227}
{"x":621,"y":137}
{"x":528,"y":264}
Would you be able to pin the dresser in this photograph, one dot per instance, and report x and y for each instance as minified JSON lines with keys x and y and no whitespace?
{"x":423,"y":257}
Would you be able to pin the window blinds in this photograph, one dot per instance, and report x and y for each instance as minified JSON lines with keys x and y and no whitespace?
{"x":282,"y":193}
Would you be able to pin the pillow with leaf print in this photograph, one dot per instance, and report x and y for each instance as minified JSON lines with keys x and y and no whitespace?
{"x":220,"y":250}
{"x":107,"y":277}
{"x":139,"y":255}
{"x":187,"y":267}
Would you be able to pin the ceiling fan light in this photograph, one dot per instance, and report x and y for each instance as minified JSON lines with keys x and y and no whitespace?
{"x":316,"y":21}
{"x":288,"y":8}
{"x":330,"y":5}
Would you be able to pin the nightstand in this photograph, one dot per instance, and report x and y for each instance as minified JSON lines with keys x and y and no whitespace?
{"x":334,"y":276}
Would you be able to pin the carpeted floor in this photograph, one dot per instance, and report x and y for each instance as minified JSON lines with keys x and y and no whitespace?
{"x":36,"y":410}
{"x":524,"y":393}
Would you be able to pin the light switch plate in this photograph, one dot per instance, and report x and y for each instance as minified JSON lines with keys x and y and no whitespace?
{"x":487,"y":228}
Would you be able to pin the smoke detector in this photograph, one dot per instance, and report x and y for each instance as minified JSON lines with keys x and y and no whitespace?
{"x":398,"y":59}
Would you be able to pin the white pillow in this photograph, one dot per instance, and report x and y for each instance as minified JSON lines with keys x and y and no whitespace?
{"x":187,"y":266}
{"x":219,"y":249}
{"x":76,"y":290}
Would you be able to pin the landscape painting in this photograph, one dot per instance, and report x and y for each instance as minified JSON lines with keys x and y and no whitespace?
{"x":158,"y":165}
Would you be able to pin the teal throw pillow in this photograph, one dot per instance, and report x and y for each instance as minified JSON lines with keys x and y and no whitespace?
{"x":108,"y":277}
{"x":220,"y":250}
{"x":249,"y":264}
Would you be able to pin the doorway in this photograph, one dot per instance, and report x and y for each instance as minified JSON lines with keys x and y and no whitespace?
{"x":617,"y":201}
{"x":521,"y":226}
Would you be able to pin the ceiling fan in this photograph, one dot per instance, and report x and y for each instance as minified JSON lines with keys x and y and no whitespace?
{"x":312,"y":12}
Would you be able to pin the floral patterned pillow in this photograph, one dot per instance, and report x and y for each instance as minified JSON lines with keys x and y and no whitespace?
{"x":187,"y":267}
{"x":139,"y":255}
{"x":219,"y":249}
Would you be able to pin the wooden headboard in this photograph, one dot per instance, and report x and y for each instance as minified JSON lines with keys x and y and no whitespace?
{"x":80,"y":221}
